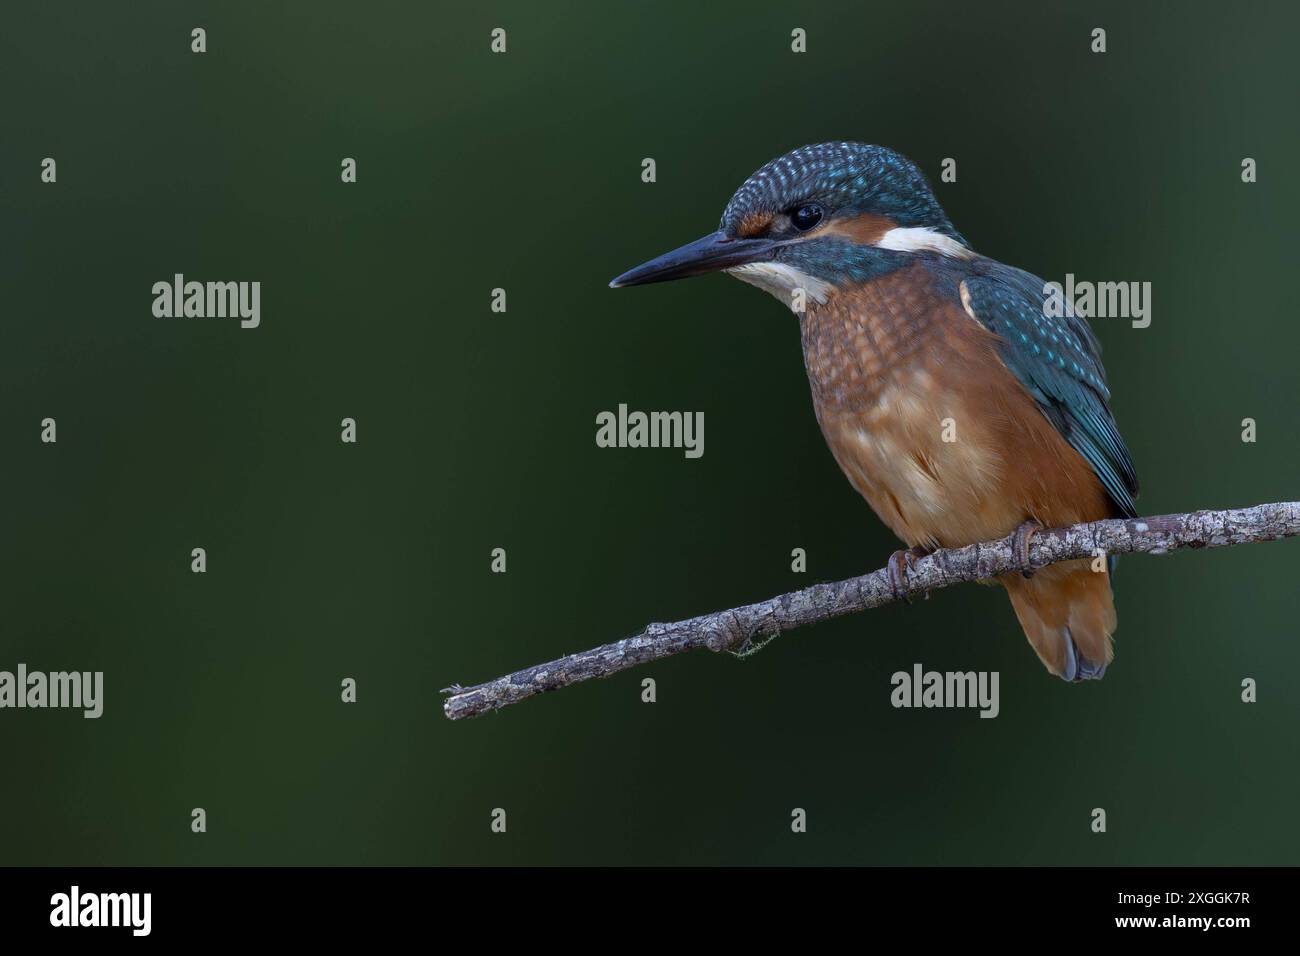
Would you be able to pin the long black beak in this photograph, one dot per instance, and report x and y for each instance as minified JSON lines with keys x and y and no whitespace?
{"x":713,"y":253}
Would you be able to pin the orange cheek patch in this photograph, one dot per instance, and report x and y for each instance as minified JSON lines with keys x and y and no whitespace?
{"x":865,"y":230}
{"x":753,"y":224}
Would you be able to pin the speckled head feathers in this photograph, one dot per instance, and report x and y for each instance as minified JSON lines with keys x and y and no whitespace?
{"x":845,"y":178}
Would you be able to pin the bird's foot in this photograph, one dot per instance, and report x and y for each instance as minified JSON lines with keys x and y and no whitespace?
{"x":1020,"y":546}
{"x":899,"y":563}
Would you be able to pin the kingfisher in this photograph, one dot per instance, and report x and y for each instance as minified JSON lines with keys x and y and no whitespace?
{"x":959,"y":397}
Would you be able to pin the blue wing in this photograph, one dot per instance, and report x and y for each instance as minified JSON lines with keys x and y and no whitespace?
{"x":1058,"y":360}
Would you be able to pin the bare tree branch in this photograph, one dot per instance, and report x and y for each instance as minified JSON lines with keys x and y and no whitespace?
{"x":741,"y":628}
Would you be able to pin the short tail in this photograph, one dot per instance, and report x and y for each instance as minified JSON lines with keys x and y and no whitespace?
{"x":1068,"y":616}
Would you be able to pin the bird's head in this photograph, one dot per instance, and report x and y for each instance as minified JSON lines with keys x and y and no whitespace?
{"x":818,"y":218}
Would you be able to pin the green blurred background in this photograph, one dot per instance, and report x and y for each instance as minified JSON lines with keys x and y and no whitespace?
{"x":476,"y":431}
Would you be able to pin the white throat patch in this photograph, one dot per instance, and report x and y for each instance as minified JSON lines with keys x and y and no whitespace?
{"x":923,"y":239}
{"x":782,"y":280}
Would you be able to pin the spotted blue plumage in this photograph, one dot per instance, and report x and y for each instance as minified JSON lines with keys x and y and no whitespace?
{"x":1058,"y":361}
{"x":845,"y":178}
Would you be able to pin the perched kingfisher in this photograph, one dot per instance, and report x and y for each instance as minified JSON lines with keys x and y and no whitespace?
{"x":954,"y":400}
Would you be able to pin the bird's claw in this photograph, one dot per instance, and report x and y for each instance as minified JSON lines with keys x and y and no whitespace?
{"x":1020,"y":546}
{"x":899,"y":563}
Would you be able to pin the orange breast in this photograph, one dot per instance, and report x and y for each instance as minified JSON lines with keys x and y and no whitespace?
{"x":927,"y":422}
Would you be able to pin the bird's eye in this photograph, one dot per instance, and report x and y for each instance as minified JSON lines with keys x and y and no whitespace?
{"x":806,"y":216}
